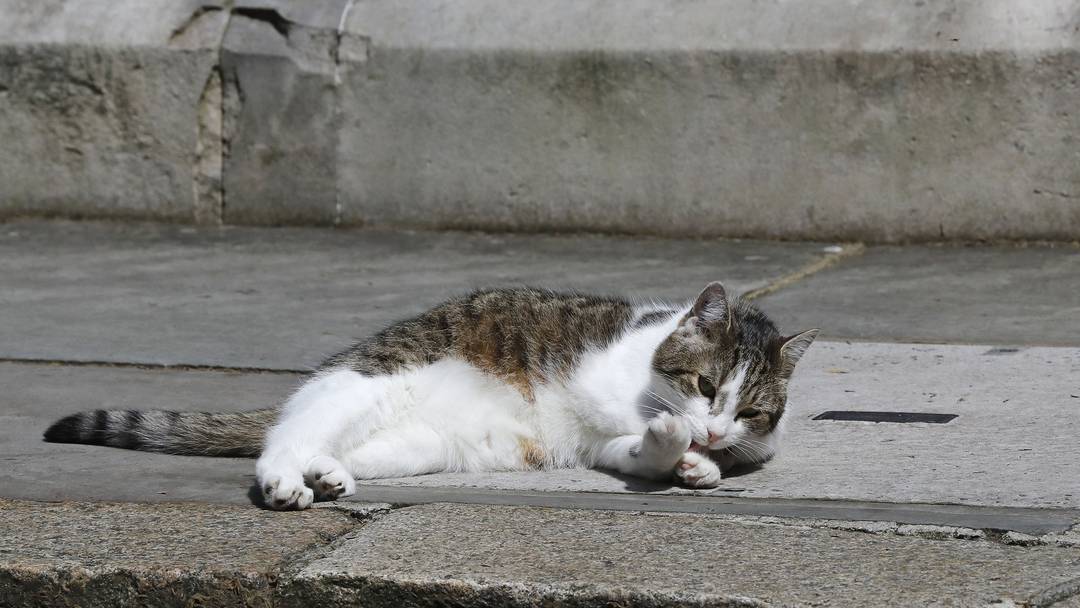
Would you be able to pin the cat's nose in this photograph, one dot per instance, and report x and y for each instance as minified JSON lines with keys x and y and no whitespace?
{"x":713,"y":437}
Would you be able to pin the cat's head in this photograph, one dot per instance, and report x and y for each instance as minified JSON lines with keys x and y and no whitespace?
{"x":726,"y":367}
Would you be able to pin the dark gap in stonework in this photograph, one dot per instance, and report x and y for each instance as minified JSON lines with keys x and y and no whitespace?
{"x":1002,"y":351}
{"x":886,"y":416}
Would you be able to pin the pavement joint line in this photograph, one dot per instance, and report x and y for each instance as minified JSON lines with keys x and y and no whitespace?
{"x":991,"y":520}
{"x":361,"y":515}
{"x":849,"y":250}
{"x":181,"y":367}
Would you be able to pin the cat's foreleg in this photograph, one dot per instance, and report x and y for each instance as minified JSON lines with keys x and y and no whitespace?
{"x":401,"y":452}
{"x":297,"y":464}
{"x":652,"y":455}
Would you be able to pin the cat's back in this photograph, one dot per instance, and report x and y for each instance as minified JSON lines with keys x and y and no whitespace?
{"x":523,"y":335}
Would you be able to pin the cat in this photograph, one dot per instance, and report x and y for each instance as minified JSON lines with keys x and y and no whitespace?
{"x":501,"y":380}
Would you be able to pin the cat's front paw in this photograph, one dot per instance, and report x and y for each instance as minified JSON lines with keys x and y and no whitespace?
{"x":329,"y":479}
{"x":283,"y":492}
{"x":697,"y":471}
{"x":665,"y":441}
{"x":668,"y":431}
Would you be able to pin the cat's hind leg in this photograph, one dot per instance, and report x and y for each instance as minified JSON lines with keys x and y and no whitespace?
{"x":401,"y":452}
{"x":299,"y":448}
{"x":329,"y":479}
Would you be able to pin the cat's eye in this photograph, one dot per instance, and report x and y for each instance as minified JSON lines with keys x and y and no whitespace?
{"x":705,"y":386}
{"x":748,"y":413}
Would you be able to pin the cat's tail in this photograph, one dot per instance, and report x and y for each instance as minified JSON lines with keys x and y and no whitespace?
{"x":192,"y":433}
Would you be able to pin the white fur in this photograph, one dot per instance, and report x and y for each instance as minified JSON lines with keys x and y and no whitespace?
{"x":451,"y":416}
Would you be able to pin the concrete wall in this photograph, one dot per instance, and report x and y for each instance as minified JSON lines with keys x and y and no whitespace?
{"x":831,"y":119}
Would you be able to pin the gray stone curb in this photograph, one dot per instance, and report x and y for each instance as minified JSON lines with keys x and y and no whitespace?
{"x":881,"y":121}
{"x":179,"y":554}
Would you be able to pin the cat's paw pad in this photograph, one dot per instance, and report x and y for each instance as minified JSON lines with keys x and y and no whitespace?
{"x":285,"y":492}
{"x":698,"y":471}
{"x":669,"y":431}
{"x":329,"y":479}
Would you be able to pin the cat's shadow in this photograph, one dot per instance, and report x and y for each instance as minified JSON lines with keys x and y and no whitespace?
{"x":256,"y":497}
{"x":631,"y":483}
{"x":638,"y":484}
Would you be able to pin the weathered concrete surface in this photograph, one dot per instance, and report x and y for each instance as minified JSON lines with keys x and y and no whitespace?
{"x":530,"y":557}
{"x":1010,"y":296}
{"x":287,"y":298}
{"x":100,"y":554}
{"x":877,"y":121}
{"x":100,"y":106}
{"x":172,"y":554}
{"x":283,"y":113}
{"x":35,"y":395}
{"x":1013,"y":444}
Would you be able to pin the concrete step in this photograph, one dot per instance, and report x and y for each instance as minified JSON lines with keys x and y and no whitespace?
{"x":284,"y":299}
{"x":976,"y":510}
{"x":466,"y":555}
{"x":882,"y":121}
{"x":1011,"y":444}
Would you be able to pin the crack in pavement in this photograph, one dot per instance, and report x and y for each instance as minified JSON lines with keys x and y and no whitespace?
{"x":850,"y":250}
{"x":182,"y":367}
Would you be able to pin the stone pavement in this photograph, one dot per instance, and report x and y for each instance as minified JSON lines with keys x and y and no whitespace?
{"x":980,"y":509}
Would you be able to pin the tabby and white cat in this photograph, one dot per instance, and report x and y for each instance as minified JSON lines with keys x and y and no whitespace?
{"x":500,"y":380}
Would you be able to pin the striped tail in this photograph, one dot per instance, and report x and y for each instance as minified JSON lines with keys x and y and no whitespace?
{"x":192,"y":433}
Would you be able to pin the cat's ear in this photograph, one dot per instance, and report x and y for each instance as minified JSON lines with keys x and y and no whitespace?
{"x":711,"y":308}
{"x":793,"y":348}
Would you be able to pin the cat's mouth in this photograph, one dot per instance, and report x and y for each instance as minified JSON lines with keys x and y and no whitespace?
{"x":699,"y":448}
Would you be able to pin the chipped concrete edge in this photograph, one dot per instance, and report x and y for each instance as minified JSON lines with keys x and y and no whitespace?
{"x":1068,"y":539}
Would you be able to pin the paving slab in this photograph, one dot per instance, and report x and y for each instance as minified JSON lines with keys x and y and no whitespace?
{"x":287,"y":298}
{"x":178,"y":554}
{"x":515,"y":556}
{"x":100,"y":554}
{"x":35,"y":395}
{"x":1012,"y":443}
{"x":942,"y":294}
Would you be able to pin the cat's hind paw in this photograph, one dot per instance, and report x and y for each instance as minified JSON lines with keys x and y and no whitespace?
{"x":698,"y":471}
{"x":286,"y":492}
{"x":329,"y":479}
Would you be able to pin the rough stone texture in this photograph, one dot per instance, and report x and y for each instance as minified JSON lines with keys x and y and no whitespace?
{"x":99,"y":105}
{"x":532,"y":557}
{"x":288,"y":298}
{"x":78,"y":554}
{"x":281,"y":165}
{"x":1021,"y":295}
{"x":881,"y":121}
{"x":183,"y":554}
{"x":874,"y":120}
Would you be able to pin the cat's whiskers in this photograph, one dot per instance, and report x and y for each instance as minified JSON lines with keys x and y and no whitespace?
{"x":675,"y":409}
{"x":757,"y":451}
